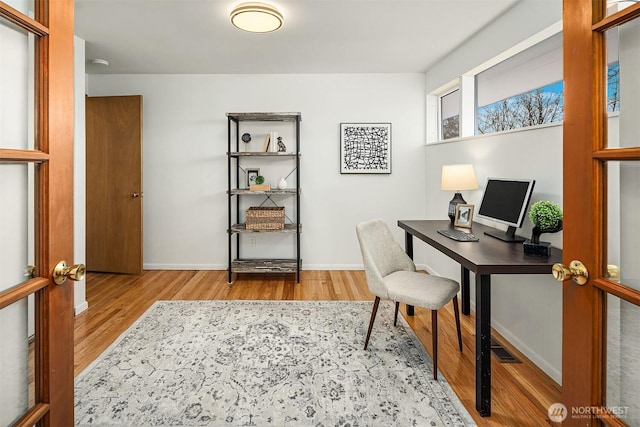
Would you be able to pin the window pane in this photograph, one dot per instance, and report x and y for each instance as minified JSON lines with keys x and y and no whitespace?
{"x":16,"y":223}
{"x":16,"y":361}
{"x":450,"y":113}
{"x":533,"y":68}
{"x":537,"y":107}
{"x":17,"y":325}
{"x":22,"y":6}
{"x":524,"y":90}
{"x":16,"y":86}
{"x":614,"y":6}
{"x":623,"y":85}
{"x":623,"y":364}
{"x":623,"y":205}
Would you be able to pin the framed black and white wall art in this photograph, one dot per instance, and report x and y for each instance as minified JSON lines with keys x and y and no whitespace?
{"x":365,"y":147}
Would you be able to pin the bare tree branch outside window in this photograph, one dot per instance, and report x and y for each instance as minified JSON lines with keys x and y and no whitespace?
{"x":536,"y":107}
{"x":451,"y":127}
{"x":613,"y":87}
{"x":539,"y":106}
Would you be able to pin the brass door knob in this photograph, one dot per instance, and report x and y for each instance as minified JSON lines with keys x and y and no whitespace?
{"x":613,"y":273}
{"x":30,"y":271}
{"x":576,"y":271}
{"x":62,"y":271}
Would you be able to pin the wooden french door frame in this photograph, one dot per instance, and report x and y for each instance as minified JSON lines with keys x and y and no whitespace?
{"x":53,"y":160}
{"x":585,"y":201}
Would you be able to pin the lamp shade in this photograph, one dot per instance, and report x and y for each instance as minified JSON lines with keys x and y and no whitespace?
{"x":256,"y":17}
{"x":458,"y":177}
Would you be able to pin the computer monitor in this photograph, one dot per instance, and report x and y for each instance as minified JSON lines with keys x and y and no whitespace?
{"x":506,"y":201}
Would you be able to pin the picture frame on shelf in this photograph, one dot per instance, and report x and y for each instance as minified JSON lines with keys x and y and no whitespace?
{"x":252,"y":174}
{"x":464,"y":215}
{"x":365,"y":148}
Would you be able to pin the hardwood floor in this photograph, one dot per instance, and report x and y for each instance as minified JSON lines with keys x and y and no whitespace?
{"x":521,"y":393}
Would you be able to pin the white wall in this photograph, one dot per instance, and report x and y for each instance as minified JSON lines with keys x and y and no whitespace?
{"x":79,"y":178}
{"x":185,"y":169}
{"x":527,"y":310}
{"x":522,"y":21}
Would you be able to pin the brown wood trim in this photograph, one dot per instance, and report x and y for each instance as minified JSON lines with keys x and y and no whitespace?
{"x":56,"y":209}
{"x":18,"y":292}
{"x":617,"y":19}
{"x":33,"y":415}
{"x":11,"y":155}
{"x":619,"y":290}
{"x":42,"y":363}
{"x":22,"y":20}
{"x":583,"y":133}
{"x":632,"y":153}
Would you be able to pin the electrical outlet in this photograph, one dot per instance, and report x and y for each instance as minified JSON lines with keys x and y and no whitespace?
{"x":252,"y":241}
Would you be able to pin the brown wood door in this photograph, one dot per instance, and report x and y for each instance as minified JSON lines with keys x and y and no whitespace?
{"x":114,"y":184}
{"x":601,"y":319}
{"x":36,"y":154}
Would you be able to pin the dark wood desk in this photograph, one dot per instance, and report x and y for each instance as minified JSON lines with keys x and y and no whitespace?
{"x":485,"y":257}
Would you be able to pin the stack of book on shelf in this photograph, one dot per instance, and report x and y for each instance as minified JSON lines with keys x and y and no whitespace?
{"x":270,"y":142}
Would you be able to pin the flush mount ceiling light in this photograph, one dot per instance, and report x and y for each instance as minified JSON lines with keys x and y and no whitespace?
{"x":256,"y":17}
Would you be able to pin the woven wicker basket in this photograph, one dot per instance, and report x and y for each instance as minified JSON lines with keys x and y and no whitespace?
{"x":267,"y":218}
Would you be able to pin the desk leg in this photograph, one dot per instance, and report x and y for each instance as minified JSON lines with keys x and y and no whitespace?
{"x":483,"y":344}
{"x":466,"y":293}
{"x":408,"y":248}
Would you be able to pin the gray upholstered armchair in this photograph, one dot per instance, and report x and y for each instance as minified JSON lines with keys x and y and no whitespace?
{"x":391,"y":274}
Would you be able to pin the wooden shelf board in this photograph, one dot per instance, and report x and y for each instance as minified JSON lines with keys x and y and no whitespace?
{"x":266,"y":117}
{"x":264,"y":265}
{"x":242,"y":228}
{"x":288,"y":191}
{"x":262,"y":154}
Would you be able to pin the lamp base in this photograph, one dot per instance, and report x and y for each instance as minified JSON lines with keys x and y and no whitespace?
{"x":457,"y":198}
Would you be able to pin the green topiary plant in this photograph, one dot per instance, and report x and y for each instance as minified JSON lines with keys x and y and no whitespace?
{"x":259,"y":179}
{"x":546,"y":217}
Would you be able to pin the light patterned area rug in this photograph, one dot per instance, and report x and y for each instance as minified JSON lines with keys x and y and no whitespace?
{"x":265,"y":363}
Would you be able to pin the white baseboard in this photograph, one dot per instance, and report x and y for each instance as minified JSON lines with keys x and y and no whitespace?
{"x":184,"y":266}
{"x":534,"y":357}
{"x":427,"y":268}
{"x":224,"y":266}
{"x":80,"y":308}
{"x":332,"y":266}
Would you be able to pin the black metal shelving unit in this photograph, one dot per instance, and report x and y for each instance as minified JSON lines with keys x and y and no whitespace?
{"x":235,"y":192}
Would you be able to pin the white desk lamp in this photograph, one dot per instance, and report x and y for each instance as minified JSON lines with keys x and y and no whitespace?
{"x":457,"y":178}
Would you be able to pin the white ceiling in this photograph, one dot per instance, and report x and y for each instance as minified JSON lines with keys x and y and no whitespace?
{"x":318,"y":36}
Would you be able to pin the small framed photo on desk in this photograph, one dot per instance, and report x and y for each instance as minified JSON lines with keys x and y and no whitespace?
{"x":464,"y":216}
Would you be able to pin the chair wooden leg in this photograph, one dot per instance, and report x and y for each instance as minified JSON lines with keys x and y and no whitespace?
{"x":395,"y":316}
{"x":434,"y":342}
{"x":373,"y":316}
{"x":457,"y":313}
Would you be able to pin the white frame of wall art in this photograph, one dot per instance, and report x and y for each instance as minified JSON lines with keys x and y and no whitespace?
{"x":365,"y":148}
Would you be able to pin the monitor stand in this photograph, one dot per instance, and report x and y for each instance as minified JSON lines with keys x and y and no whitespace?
{"x":506,"y":236}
